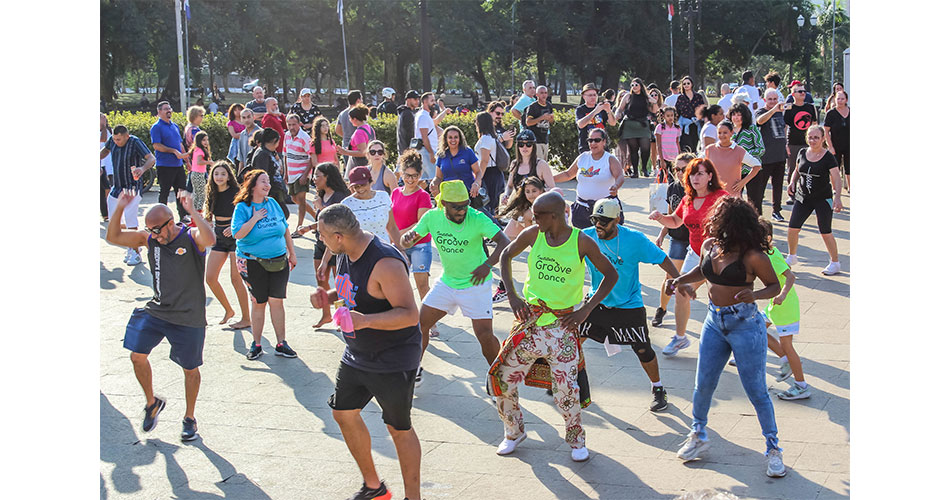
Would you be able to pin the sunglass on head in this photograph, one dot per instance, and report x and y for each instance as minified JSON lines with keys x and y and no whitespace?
{"x":158,"y":230}
{"x":594,"y":139}
{"x":598,"y":220}
{"x":525,"y":144}
{"x":376,"y":152}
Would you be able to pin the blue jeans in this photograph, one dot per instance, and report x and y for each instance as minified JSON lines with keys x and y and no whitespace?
{"x":737,"y":329}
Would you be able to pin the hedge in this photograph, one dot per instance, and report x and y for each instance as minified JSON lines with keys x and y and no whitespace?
{"x":562,"y":136}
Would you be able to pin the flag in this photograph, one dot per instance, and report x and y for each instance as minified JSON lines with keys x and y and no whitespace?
{"x":339,"y":9}
{"x":187,"y":10}
{"x":669,"y":13}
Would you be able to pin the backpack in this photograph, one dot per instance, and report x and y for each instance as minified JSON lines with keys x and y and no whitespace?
{"x":503,"y":158}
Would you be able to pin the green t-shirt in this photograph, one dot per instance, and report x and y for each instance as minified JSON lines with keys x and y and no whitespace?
{"x":788,"y":311}
{"x":459,"y":245}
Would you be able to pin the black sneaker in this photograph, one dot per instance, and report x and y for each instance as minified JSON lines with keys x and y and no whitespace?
{"x":789,"y":202}
{"x":418,"y":377}
{"x":659,"y":399}
{"x":777,"y":217}
{"x":189,"y":429}
{"x":658,"y":317}
{"x":365,"y":493}
{"x":549,"y":391}
{"x":151,"y":414}
{"x":255,"y":351}
{"x":283,"y":349}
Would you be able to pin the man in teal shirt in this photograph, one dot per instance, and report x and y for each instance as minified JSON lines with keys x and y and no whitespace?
{"x":621,"y":318}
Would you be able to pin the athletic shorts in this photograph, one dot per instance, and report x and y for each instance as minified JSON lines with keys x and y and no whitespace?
{"x":690,"y":261}
{"x":318,"y":250}
{"x":145,"y":331}
{"x":678,"y":249}
{"x":420,"y":257}
{"x":131,"y":211}
{"x":624,"y":326}
{"x":261,"y":283}
{"x":294,"y":187}
{"x":786,"y":330}
{"x":222,"y":243}
{"x":475,"y":301}
{"x":393,"y":393}
{"x":802,"y":210}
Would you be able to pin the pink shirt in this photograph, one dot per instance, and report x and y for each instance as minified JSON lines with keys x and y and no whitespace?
{"x":237,"y":126}
{"x":668,"y":136}
{"x":295,"y":151}
{"x":195,"y":156}
{"x":327,"y":152}
{"x":406,"y":209}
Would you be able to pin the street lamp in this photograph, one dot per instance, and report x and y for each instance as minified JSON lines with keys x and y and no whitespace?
{"x":813,"y":20}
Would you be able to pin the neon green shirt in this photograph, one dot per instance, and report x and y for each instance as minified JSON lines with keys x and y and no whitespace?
{"x":555,"y":275}
{"x":787,"y":312}
{"x":459,"y":245}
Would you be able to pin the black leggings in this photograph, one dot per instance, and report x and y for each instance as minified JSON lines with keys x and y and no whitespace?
{"x":635,"y":145}
{"x":689,"y":141}
{"x":803,"y":209}
{"x":171,"y":178}
{"x":843,"y":158}
{"x":103,"y":192}
{"x":756,"y":186}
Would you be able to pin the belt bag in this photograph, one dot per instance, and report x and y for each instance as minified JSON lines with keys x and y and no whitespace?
{"x":416,"y":143}
{"x":274,"y":265}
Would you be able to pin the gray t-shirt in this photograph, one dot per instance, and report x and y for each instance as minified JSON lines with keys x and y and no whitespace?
{"x":244,"y":143}
{"x":257,"y":107}
{"x":344,"y":120}
{"x":773,"y":136}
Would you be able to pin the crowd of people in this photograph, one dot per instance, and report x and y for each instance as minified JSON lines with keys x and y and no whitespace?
{"x":481,"y":206}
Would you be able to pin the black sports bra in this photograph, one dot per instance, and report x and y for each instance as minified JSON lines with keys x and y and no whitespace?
{"x":731,"y":275}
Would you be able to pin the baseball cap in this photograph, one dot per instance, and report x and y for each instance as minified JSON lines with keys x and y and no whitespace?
{"x":794,"y":83}
{"x":360,"y":175}
{"x":388,"y":92}
{"x":607,"y":207}
{"x":741,"y":96}
{"x":305,"y":91}
{"x":412,"y":94}
{"x":526,"y":136}
{"x":590,"y":86}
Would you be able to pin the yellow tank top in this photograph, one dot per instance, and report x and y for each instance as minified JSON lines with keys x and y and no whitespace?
{"x":555,"y":275}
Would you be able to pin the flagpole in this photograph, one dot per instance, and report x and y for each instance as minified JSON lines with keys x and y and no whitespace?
{"x":670,"y":17}
{"x":346,"y":66}
{"x":181,"y":67}
{"x":187,"y":76}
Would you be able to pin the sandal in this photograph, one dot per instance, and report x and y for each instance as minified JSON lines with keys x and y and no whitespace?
{"x":295,"y":235}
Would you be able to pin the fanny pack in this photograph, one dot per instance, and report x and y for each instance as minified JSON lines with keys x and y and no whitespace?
{"x":416,"y":143}
{"x":274,"y":265}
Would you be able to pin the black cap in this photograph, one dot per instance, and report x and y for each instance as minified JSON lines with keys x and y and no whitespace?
{"x":526,"y":136}
{"x":412,"y":94}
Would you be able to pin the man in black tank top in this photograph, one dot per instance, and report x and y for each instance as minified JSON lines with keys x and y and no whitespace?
{"x":383,"y":350}
{"x":176,"y":259}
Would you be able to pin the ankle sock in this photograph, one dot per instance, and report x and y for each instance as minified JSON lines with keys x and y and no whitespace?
{"x":658,"y":384}
{"x":801,"y":384}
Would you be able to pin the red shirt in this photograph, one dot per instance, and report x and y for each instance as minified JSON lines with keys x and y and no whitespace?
{"x":694,"y":220}
{"x":278,"y":123}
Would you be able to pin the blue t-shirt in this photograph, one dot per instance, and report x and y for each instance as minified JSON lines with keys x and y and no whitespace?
{"x":124,"y":159}
{"x":631,"y":247}
{"x":168,"y":135}
{"x":458,"y":167}
{"x":521,"y":105}
{"x":266,"y":239}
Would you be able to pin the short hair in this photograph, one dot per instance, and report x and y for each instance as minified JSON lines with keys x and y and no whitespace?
{"x":353,"y":96}
{"x":120,"y":129}
{"x":773,"y":77}
{"x":675,"y":84}
{"x":603,"y":133}
{"x":495,"y":104}
{"x":525,"y":83}
{"x":269,"y":99}
{"x":162,"y":103}
{"x":269,"y":135}
{"x":724,"y":86}
{"x":248,"y":111}
{"x":340,"y":218}
{"x":194,"y":112}
{"x":539,"y":87}
{"x":295,"y":116}
{"x":256,"y":88}
{"x":360,"y":112}
{"x":746,"y":75}
{"x":425,"y":95}
{"x":770,"y":91}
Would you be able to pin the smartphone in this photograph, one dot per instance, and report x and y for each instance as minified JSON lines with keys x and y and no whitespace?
{"x":788,"y":106}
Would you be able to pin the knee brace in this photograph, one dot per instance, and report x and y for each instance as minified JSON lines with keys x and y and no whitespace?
{"x":644,"y":351}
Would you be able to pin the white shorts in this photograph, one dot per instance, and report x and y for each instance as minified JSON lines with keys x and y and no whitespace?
{"x":131,"y":210}
{"x":690,"y":261}
{"x":786,"y":330}
{"x":475,"y":301}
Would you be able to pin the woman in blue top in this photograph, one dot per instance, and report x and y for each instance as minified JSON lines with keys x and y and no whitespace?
{"x":456,"y":161}
{"x":265,"y":257}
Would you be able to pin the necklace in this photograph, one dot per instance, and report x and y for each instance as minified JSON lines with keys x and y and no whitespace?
{"x":617,"y":253}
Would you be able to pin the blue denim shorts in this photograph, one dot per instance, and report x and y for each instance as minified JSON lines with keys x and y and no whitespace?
{"x":145,"y":331}
{"x":420,"y":257}
{"x":678,"y":249}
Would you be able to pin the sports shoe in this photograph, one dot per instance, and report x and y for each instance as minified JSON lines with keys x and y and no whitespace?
{"x":580,"y":454}
{"x":189,"y":429}
{"x":128,"y":253}
{"x":134,"y":258}
{"x":365,"y":493}
{"x":499,"y":296}
{"x":777,"y":217}
{"x":433,"y":332}
{"x":784,"y":372}
{"x":776,"y":468}
{"x":831,"y":268}
{"x":508,"y":446}
{"x":283,"y":349}
{"x":255,"y":351}
{"x":658,"y":317}
{"x":151,"y":414}
{"x":790,"y":202}
{"x":791,"y":260}
{"x":675,"y":345}
{"x":795,"y":392}
{"x":659,"y":399}
{"x":732,"y":361}
{"x":692,"y":447}
{"x":419,"y":377}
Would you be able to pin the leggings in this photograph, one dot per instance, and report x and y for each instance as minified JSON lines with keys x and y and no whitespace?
{"x":843,"y":158}
{"x":633,"y":146}
{"x":803,"y":209}
{"x":689,"y":141}
{"x":171,"y":178}
{"x":198,"y":182}
{"x":103,"y":192}
{"x":756,"y":186}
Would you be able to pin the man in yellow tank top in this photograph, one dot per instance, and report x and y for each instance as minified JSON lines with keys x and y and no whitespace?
{"x":547,"y":319}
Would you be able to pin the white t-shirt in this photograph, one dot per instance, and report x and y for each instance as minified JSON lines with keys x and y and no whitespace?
{"x":486,"y":142}
{"x":726,"y":101}
{"x":753,"y":96}
{"x":107,"y":161}
{"x":671,"y":100}
{"x":424,"y":120}
{"x":373,"y":213}
{"x":709,"y":130}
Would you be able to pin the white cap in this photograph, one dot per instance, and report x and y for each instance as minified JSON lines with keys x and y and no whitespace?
{"x":388,"y":92}
{"x":305,"y":91}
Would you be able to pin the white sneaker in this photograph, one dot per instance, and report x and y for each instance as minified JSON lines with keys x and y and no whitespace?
{"x":776,"y":467}
{"x":791,"y":260}
{"x":784,"y":372}
{"x":580,"y":454}
{"x":419,"y":377}
{"x":831,"y":268}
{"x":433,"y":332}
{"x":134,"y":258}
{"x":692,"y":447}
{"x":675,"y":345}
{"x":508,"y":446}
{"x":128,"y":253}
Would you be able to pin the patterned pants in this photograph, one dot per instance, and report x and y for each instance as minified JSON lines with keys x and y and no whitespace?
{"x":559,"y":347}
{"x":198,"y":181}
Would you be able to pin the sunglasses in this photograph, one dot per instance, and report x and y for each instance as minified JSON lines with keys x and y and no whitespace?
{"x":376,"y":152}
{"x":594,"y":139}
{"x":525,"y":144}
{"x":799,"y":92}
{"x":158,"y":230}
{"x":598,"y":220}
{"x":679,"y":170}
{"x":499,"y":114}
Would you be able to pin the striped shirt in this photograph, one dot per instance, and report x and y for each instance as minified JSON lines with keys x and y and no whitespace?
{"x":750,"y":138}
{"x":295,"y":153}
{"x":124,"y":159}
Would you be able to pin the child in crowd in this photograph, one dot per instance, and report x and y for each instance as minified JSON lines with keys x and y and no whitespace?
{"x":200,"y":159}
{"x":667,"y":138}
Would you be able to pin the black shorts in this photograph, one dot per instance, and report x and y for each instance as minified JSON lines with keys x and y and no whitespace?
{"x":319,"y":249}
{"x":803,"y":209}
{"x":223,"y":243}
{"x":261,"y":283}
{"x":581,"y":211}
{"x":393,"y":393}
{"x":625,"y":326}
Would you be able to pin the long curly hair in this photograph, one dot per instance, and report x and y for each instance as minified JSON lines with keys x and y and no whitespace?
{"x":443,"y":147}
{"x":734,"y":224}
{"x":211,"y":188}
{"x":250,"y":180}
{"x":518,"y":203}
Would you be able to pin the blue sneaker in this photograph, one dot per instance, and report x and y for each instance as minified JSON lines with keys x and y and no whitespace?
{"x":675,"y":345}
{"x":151,"y":414}
{"x":189,"y":429}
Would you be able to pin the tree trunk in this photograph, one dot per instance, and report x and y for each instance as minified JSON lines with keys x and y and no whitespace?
{"x":211,"y":74}
{"x":441,"y":86}
{"x":401,"y":74}
{"x":562,"y":82}
{"x":283,"y":82}
{"x":171,"y":91}
{"x":359,"y":71}
{"x":611,"y":77}
{"x":542,"y":76}
{"x":479,"y":75}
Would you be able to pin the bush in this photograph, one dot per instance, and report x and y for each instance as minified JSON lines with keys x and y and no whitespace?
{"x":562,"y":136}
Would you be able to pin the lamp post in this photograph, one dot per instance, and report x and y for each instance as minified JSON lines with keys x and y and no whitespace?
{"x":813,"y":20}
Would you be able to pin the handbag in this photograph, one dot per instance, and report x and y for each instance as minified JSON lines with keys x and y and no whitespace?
{"x":658,"y":192}
{"x":416,"y":143}
{"x":274,"y":265}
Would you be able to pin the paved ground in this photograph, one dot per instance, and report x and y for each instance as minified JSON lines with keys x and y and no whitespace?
{"x":266,"y":431}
